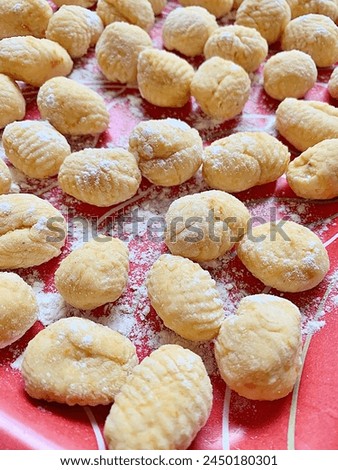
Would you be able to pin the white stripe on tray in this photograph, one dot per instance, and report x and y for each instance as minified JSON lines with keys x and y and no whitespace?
{"x":97,"y":431}
{"x":225,"y":423}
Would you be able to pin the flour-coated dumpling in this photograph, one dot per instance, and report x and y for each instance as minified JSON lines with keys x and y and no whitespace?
{"x":216,"y":7}
{"x":185,"y":297}
{"x":322,"y":7}
{"x":206,"y":225}
{"x":12,"y":102}
{"x":284,"y":255}
{"x":72,"y":108}
{"x":243,"y":160}
{"x":258,"y":351}
{"x":164,"y":403}
{"x":221,"y":88}
{"x":77,"y":362}
{"x":169,"y":152}
{"x":333,"y":84}
{"x":5,"y":178}
{"x":158,"y":6}
{"x":35,"y":148}
{"x":138,"y":12}
{"x":32,"y":231}
{"x":18,"y":308}
{"x":244,"y":46}
{"x":314,"y":174}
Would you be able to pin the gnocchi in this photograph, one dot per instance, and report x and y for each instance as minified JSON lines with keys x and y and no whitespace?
{"x":12,"y":102}
{"x":137,"y":12}
{"x":322,"y":7}
{"x":5,"y":178}
{"x":158,"y":6}
{"x":215,"y":7}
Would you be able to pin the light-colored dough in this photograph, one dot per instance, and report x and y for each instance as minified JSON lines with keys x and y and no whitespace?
{"x":314,"y":174}
{"x":72,"y":108}
{"x":163,"y":405}
{"x":185,"y":297}
{"x":81,"y":3}
{"x":5,"y":178}
{"x":243,"y":160}
{"x":164,"y":79}
{"x":158,"y":6}
{"x":12,"y":102}
{"x":306,"y":123}
{"x":244,"y":46}
{"x":94,"y":274}
{"x":101,"y":177}
{"x":169,"y":151}
{"x":321,"y":7}
{"x":221,"y":88}
{"x":258,"y":351}
{"x":137,"y":12}
{"x":77,"y":362}
{"x":118,"y":49}
{"x":32,"y":231}
{"x":333,"y":84}
{"x":218,"y":8}
{"x":96,"y":26}
{"x":18,"y":308}
{"x":206,"y":225}
{"x":284,"y":255}
{"x":35,"y":148}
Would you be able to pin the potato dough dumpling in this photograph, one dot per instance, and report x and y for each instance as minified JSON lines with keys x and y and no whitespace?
{"x":316,"y":35}
{"x":163,"y":405}
{"x":206,"y":225}
{"x":5,"y":178}
{"x":164,"y":79}
{"x":289,"y":74}
{"x":321,"y":7}
{"x":258,"y":351}
{"x":12,"y":102}
{"x":305,"y":123}
{"x":158,"y":6}
{"x":186,"y":30}
{"x":137,"y":12}
{"x":35,"y":148}
{"x":221,"y":88}
{"x":101,"y":177}
{"x":72,"y":108}
{"x":216,"y":7}
{"x":77,"y":362}
{"x":32,"y":231}
{"x":43,"y":59}
{"x":18,"y":308}
{"x":118,"y":49}
{"x":333,"y":84}
{"x":244,"y":46}
{"x":284,"y":255}
{"x":185,"y":297}
{"x":243,"y":160}
{"x":94,"y":274}
{"x":314,"y":174}
{"x":169,"y":151}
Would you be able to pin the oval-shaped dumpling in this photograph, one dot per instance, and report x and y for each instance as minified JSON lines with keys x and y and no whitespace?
{"x":137,"y":12}
{"x":216,"y":7}
{"x":12,"y":102}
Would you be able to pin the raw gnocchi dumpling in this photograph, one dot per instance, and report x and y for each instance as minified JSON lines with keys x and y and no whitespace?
{"x":163,"y":405}
{"x":158,"y":6}
{"x":5,"y":178}
{"x":216,"y":7}
{"x":243,"y":160}
{"x":169,"y":151}
{"x":77,"y":362}
{"x":72,"y":108}
{"x":94,"y":274}
{"x":101,"y":177}
{"x":137,"y":12}
{"x":206,"y":225}
{"x":258,"y":351}
{"x":333,"y":84}
{"x":32,"y":231}
{"x":284,"y":255}
{"x":185,"y":297}
{"x":321,"y":7}
{"x":12,"y":102}
{"x":43,"y":59}
{"x":35,"y":148}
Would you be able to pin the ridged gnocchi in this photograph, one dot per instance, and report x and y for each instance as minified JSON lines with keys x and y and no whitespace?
{"x":5,"y":178}
{"x":163,"y":405}
{"x":158,"y":6}
{"x":137,"y":12}
{"x":12,"y":102}
{"x":333,"y":84}
{"x":321,"y":7}
{"x":216,"y":7}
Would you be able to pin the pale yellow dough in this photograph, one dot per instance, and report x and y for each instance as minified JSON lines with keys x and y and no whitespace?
{"x":185,"y":297}
{"x":333,"y":84}
{"x":24,"y":17}
{"x":5,"y":178}
{"x":221,"y":88}
{"x":164,"y":79}
{"x":118,"y":49}
{"x":243,"y":160}
{"x":306,"y":123}
{"x":94,"y":274}
{"x":101,"y":177}
{"x":35,"y":148}
{"x":32,"y":231}
{"x":206,"y":225}
{"x":169,"y":151}
{"x":12,"y":102}
{"x":77,"y":362}
{"x":18,"y":308}
{"x":289,"y":74}
{"x":137,"y":12}
{"x":81,"y":3}
{"x":244,"y":46}
{"x":284,"y":255}
{"x":164,"y":403}
{"x":316,"y":35}
{"x":158,"y":6}
{"x":72,"y":108}
{"x":33,"y":60}
{"x":314,"y":174}
{"x":322,"y":7}
{"x":218,"y":8}
{"x":258,"y":351}
{"x":186,"y":30}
